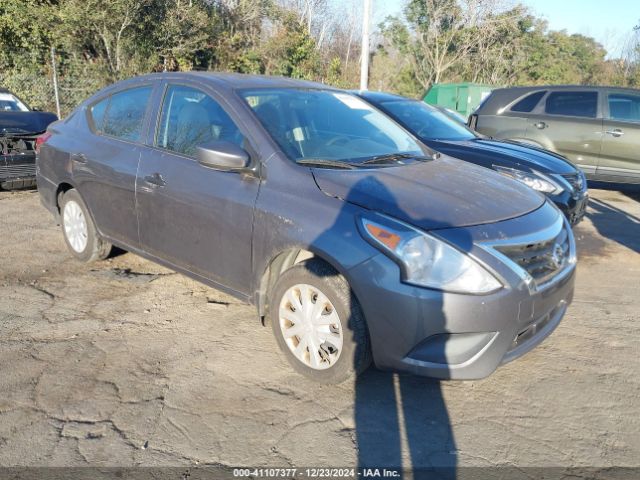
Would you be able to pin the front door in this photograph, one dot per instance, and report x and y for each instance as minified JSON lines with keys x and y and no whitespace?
{"x":568,"y":123}
{"x":620,"y":156}
{"x":192,"y":216}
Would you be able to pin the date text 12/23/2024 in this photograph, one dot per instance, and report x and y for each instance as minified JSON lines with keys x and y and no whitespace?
{"x":316,"y":473}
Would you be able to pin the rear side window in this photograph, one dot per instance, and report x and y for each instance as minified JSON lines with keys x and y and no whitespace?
{"x":575,"y":104}
{"x":624,"y":107}
{"x":97,"y":114}
{"x":125,"y":114}
{"x":122,"y":114}
{"x":528,"y":103}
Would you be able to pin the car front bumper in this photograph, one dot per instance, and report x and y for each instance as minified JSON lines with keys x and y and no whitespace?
{"x":573,"y":207}
{"x":459,"y":336}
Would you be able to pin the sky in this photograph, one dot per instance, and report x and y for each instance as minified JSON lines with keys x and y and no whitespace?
{"x":609,"y":22}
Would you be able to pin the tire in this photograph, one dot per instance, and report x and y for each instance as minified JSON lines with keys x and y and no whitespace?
{"x":85,"y":243}
{"x":298,"y":285}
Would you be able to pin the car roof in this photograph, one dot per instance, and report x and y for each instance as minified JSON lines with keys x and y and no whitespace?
{"x":232,"y":80}
{"x":564,"y":87}
{"x":222,"y":81}
{"x":504,"y":96}
{"x":378,"y":96}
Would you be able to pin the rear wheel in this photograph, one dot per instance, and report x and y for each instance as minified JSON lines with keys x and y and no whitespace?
{"x":318,"y":323}
{"x":79,"y":231}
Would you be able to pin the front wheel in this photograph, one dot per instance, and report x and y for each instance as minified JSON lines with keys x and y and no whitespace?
{"x":318,"y":323}
{"x":79,"y":231}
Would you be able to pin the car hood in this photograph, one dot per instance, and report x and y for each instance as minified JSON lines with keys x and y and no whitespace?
{"x":24,"y":123}
{"x":488,"y":152}
{"x":437,"y":194}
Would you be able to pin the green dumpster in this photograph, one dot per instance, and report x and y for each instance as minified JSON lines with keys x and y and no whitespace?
{"x":459,"y":97}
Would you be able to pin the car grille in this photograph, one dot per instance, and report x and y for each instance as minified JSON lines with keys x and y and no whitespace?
{"x":17,"y":171}
{"x":542,"y":260}
{"x":576,"y":180}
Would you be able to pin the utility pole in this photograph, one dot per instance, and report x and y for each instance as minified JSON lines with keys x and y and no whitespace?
{"x":364,"y":57}
{"x":55,"y":80}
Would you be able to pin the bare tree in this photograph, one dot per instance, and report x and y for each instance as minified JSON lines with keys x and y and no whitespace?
{"x":440,"y":34}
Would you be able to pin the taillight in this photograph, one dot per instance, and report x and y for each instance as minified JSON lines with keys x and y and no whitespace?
{"x":41,"y":140}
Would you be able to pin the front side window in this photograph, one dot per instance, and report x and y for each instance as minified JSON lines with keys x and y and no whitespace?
{"x":427,"y":122}
{"x":310,"y":124}
{"x":575,"y":104}
{"x":191,"y":118}
{"x":624,"y":107}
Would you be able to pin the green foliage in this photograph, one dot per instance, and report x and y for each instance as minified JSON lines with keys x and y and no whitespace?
{"x":100,"y":41}
{"x":291,"y":52}
{"x":463,"y":40}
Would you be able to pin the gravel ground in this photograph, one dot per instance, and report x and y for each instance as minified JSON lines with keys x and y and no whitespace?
{"x":123,"y":362}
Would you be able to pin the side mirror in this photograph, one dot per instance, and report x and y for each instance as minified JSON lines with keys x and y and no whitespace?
{"x":222,"y":155}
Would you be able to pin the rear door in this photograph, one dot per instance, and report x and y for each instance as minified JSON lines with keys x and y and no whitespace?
{"x":105,"y":167}
{"x":192,"y":216}
{"x":569,"y":122}
{"x":620,"y":156}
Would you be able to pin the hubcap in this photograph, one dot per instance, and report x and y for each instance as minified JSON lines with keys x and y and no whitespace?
{"x":311,"y":326}
{"x":75,"y":226}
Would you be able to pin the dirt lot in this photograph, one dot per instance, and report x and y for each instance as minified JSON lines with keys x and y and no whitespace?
{"x":125,"y":363}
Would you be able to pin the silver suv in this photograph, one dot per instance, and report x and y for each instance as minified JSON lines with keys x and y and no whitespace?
{"x":597,"y":128}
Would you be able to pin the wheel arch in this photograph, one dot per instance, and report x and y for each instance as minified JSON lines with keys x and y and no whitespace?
{"x":281,"y":262}
{"x":62,"y":188}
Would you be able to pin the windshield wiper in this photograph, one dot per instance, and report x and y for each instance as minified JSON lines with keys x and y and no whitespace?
{"x":392,"y":157}
{"x":323,"y":162}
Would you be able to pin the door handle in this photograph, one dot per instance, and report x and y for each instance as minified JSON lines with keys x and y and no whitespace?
{"x":155,"y":179}
{"x":79,"y":157}
{"x":540,"y":125}
{"x":616,"y":132}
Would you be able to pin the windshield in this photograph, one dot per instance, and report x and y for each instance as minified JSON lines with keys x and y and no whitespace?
{"x":9,"y":103}
{"x":327,"y":125}
{"x":426,"y":122}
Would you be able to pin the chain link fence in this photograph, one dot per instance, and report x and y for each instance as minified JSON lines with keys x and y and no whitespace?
{"x":37,"y":83}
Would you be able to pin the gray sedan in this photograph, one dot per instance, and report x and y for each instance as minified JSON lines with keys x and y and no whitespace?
{"x":354,"y":240}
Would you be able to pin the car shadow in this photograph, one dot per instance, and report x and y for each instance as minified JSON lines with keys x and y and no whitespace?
{"x":401,"y":421}
{"x":116,"y":252}
{"x":616,"y":224}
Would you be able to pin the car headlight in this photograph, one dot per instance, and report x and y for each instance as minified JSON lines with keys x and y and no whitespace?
{"x":427,"y":261}
{"x":535,"y":180}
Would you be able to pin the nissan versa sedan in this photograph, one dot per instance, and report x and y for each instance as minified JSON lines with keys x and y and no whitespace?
{"x":542,"y":170}
{"x":355,"y":241}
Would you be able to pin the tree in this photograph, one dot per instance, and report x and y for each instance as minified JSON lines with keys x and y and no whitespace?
{"x":182,"y":29}
{"x":24,"y":37}
{"x":440,"y":34}
{"x":291,"y":51}
{"x":100,"y":29}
